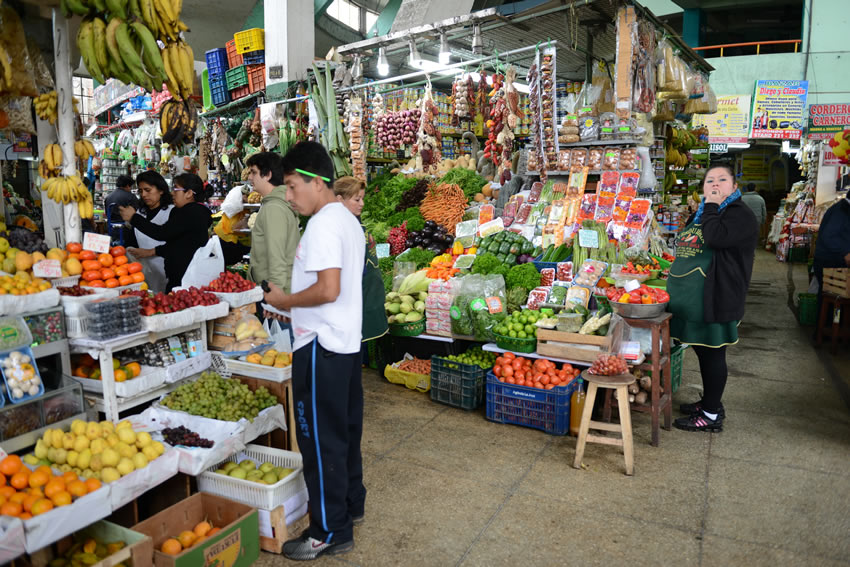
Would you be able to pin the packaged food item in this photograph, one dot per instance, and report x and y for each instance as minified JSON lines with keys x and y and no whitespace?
{"x":578,"y":159}
{"x":569,"y":138}
{"x":628,"y":159}
{"x":509,"y":213}
{"x":569,"y":123}
{"x":629,"y":180}
{"x":564,"y":272}
{"x":486,"y":214}
{"x":523,"y":213}
{"x":588,"y":207}
{"x":578,"y":295}
{"x":533,"y":163}
{"x":537,"y":296}
{"x":626,"y":129}
{"x":564,"y":160}
{"x":466,"y":231}
{"x":589,"y":273}
{"x":536,"y":190}
{"x":578,"y":180}
{"x":547,"y":276}
{"x":589,"y":129}
{"x":604,"y":208}
{"x":569,"y":322}
{"x":607,"y":126}
{"x":611,"y":159}
{"x":594,"y":159}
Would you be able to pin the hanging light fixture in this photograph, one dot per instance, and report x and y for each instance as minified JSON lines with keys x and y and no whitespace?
{"x":415,"y":60}
{"x":383,"y":64}
{"x":357,"y":68}
{"x":445,"y":52}
{"x":477,"y":42}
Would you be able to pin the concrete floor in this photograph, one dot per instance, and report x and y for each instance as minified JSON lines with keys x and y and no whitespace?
{"x":447,"y":487}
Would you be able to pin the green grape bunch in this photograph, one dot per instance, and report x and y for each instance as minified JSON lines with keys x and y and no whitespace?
{"x":219,"y":398}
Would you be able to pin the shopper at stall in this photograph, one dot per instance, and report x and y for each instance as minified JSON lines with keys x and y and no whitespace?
{"x":186,"y":230}
{"x":275,"y":234}
{"x":350,"y":192}
{"x":756,"y":203}
{"x":156,"y":207}
{"x":708,"y":288}
{"x":326,"y":305}
{"x":832,"y":249}
{"x":122,"y":196}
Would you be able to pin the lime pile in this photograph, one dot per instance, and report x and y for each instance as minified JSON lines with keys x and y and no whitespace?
{"x":218,"y":398}
{"x":475,"y":356}
{"x":519,"y":325}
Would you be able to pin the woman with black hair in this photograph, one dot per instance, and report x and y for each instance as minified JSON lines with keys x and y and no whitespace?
{"x":186,"y":230}
{"x":156,"y":207}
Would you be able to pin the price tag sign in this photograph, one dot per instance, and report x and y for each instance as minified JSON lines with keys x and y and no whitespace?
{"x":718,"y":148}
{"x":96,"y":242}
{"x":382,"y":250}
{"x":47,"y":269}
{"x":588,"y":238}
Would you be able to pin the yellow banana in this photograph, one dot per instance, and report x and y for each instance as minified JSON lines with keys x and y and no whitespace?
{"x":149,"y":16}
{"x":6,"y":63}
{"x":171,"y":80}
{"x":188,"y":65}
{"x":177,"y":7}
{"x":165,"y":10}
{"x":89,"y":147}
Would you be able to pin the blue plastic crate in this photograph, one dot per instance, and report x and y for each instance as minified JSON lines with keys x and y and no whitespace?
{"x":254,"y":57}
{"x":217,"y":62}
{"x":218,"y":91}
{"x":547,"y":410}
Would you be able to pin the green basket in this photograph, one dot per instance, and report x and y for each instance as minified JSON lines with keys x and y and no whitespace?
{"x":516,"y":345}
{"x":677,"y":359}
{"x":408,"y":329}
{"x":662,"y":262}
{"x":808,"y":306}
{"x":798,"y":255}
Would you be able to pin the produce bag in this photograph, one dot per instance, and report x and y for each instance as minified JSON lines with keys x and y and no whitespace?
{"x":282,"y":338}
{"x":471,"y":288}
{"x":232,"y":204}
{"x":13,"y":40}
{"x":206,"y":264}
{"x":488,"y":309}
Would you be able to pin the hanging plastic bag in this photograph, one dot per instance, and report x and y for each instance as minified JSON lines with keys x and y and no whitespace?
{"x":232,"y":204}
{"x":281,"y":338}
{"x":206,"y":265}
{"x":18,"y":111}
{"x":13,"y":40}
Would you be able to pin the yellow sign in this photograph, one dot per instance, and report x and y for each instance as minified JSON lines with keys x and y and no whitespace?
{"x":225,"y":552}
{"x":731,"y":123}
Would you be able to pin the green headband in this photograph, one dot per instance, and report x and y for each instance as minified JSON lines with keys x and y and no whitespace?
{"x":322,"y":177}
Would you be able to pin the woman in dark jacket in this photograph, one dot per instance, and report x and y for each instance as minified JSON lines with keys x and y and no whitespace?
{"x":708,"y":288}
{"x":186,"y":230}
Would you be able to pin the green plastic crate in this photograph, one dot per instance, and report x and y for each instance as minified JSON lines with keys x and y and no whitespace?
{"x":677,"y":360}
{"x":236,"y":77}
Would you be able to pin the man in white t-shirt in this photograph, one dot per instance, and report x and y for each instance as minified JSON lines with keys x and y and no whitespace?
{"x":327,"y":311}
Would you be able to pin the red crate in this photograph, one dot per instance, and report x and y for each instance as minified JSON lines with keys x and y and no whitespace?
{"x":256,"y":77}
{"x":234,"y":59}
{"x":241,"y":92}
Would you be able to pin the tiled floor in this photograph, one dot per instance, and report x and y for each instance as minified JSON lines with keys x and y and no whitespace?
{"x":447,"y":487}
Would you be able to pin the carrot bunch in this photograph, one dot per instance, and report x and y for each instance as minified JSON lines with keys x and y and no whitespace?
{"x":442,"y":267}
{"x":444,"y":204}
{"x":416,"y":366}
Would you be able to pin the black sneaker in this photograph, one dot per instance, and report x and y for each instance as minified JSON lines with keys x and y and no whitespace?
{"x":699,"y":422}
{"x":306,"y":548}
{"x":696,"y":407}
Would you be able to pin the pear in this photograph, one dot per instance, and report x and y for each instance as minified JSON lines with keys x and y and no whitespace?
{"x":158,"y":447}
{"x":221,"y":471}
{"x":270,"y":478}
{"x":68,"y":440}
{"x":81,"y":442}
{"x":93,"y":430}
{"x":110,"y":457}
{"x":109,"y":474}
{"x":123,"y":424}
{"x":266,"y":467}
{"x":87,"y":473}
{"x":60,"y":456}
{"x":57,"y":438}
{"x":247,"y":464}
{"x":78,"y":427}
{"x":108,"y":425}
{"x":140,"y":461}
{"x":143,"y":439}
{"x":64,"y":468}
{"x":126,"y":450}
{"x":229,"y":466}
{"x":112,"y":440}
{"x":96,"y":463}
{"x":97,"y":446}
{"x":84,"y":459}
{"x":72,"y":458}
{"x":40,"y":450}
{"x":51,"y":455}
{"x":149,"y":452}
{"x":125,"y":466}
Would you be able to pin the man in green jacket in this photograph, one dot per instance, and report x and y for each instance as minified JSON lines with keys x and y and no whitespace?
{"x":275,"y":234}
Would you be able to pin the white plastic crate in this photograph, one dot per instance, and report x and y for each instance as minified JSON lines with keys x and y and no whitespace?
{"x":76,"y":327}
{"x":263,"y":496}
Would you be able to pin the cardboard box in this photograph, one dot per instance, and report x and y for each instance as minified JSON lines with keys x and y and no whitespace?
{"x":236,"y":545}
{"x":139,"y":548}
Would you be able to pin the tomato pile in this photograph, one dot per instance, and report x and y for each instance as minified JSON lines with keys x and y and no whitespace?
{"x":172,"y":301}
{"x":609,"y":365}
{"x":107,"y":270}
{"x":541,"y":374}
{"x":643,"y":295}
{"x":228,"y":282}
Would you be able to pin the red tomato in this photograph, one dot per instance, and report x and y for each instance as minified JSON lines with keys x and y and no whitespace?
{"x":549,"y":386}
{"x":520,"y":382}
{"x":117,"y":251}
{"x":509,"y":355}
{"x":516,"y":363}
{"x":539,"y":386}
{"x":545,"y":379}
{"x":555,"y":381}
{"x":510,"y":380}
{"x":507,"y":371}
{"x":497,"y":371}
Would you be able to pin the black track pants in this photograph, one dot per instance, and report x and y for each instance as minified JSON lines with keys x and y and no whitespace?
{"x":712,"y":366}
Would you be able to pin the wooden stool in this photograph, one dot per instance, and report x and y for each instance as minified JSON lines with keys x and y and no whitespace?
{"x":831,"y":322}
{"x":621,"y":385}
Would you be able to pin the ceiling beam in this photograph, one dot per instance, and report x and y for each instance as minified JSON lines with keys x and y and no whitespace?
{"x":385,"y":19}
{"x":320,"y":7}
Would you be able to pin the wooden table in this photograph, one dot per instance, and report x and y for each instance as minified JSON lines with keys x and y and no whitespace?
{"x":659,"y":364}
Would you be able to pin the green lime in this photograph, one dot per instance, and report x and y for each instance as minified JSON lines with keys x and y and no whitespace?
{"x":512,"y":334}
{"x":529,"y":329}
{"x":520,"y":335}
{"x":518,"y":326}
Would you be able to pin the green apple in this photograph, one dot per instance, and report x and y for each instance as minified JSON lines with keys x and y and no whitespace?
{"x":238,"y":472}
{"x":247,"y":464}
{"x":266,"y":467}
{"x":229,"y":466}
{"x":221,"y":471}
{"x":270,"y":478}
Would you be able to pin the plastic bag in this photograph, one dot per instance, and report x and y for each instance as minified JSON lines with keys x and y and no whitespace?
{"x":206,"y":264}
{"x":269,"y":125}
{"x":488,"y":309}
{"x":594,"y":159}
{"x":472,"y":287}
{"x":232,"y":204}
{"x":18,"y":111}
{"x":13,"y":39}
{"x":43,"y":78}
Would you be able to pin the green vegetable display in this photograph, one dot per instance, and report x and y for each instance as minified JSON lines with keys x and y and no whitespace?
{"x":461,"y":318}
{"x":468,"y":180}
{"x":382,"y":197}
{"x":475,"y":355}
{"x":523,"y":275}
{"x":486,"y":264}
{"x":516,"y":298}
{"x":411,"y":215}
{"x":421,"y":257}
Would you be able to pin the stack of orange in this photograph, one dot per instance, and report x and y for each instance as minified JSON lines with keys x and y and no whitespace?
{"x":106,"y":270}
{"x":25,"y":493}
{"x":186,"y":539}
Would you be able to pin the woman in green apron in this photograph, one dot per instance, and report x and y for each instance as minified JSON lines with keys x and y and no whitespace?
{"x":350,"y":192}
{"x":708,"y":288}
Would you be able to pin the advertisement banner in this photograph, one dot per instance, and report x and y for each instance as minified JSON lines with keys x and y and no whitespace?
{"x":826,"y":120}
{"x":731,"y":123}
{"x":829,"y":158}
{"x":777,"y":110}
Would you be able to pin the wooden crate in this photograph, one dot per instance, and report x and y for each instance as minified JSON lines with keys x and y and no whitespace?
{"x":281,"y":532}
{"x":571,"y":346}
{"x":837,"y":281}
{"x":222,"y":331}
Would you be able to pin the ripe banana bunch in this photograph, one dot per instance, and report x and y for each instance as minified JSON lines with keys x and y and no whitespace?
{"x":86,"y":207}
{"x":46,"y":106}
{"x":66,"y":189}
{"x":177,"y":121}
{"x":118,"y":38}
{"x":84,"y":150}
{"x":45,"y":172}
{"x":52,"y":159}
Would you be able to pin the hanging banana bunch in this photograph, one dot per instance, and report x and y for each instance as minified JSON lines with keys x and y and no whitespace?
{"x":177,"y":122}
{"x":65,"y":189}
{"x":84,"y":149}
{"x":118,"y":38}
{"x":46,"y":106}
{"x":51,"y":165}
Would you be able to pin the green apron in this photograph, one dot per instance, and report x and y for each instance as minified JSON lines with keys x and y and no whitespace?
{"x":686,"y":286}
{"x":374,"y":315}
